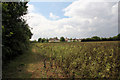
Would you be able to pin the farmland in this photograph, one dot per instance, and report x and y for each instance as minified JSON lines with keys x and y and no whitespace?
{"x":67,"y":60}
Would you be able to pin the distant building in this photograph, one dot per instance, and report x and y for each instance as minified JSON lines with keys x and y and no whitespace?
{"x":66,"y":40}
{"x":79,"y":40}
{"x":54,"y":40}
{"x":76,"y":40}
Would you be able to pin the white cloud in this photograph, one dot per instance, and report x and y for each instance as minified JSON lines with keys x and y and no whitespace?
{"x":30,"y":8}
{"x":86,"y":19}
{"x":115,"y":8}
{"x":54,"y":17}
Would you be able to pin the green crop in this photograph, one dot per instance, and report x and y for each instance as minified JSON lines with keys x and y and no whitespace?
{"x":86,"y":60}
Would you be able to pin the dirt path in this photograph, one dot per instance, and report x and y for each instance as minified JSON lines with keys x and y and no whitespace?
{"x":44,"y":69}
{"x":48,"y":72}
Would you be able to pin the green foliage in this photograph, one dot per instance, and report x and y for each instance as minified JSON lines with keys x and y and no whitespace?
{"x":118,"y":36}
{"x":34,"y":41}
{"x":70,"y":38}
{"x":40,"y":39}
{"x":56,"y":38}
{"x":62,"y":39}
{"x":86,"y":60}
{"x":96,"y":38}
{"x":47,"y":40}
{"x":43,"y":40}
{"x":15,"y":31}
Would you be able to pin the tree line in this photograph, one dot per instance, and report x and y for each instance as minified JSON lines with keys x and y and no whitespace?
{"x":15,"y":32}
{"x":45,"y":40}
{"x":96,"y":38}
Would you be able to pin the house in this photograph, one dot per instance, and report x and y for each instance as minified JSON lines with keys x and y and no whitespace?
{"x":79,"y":40}
{"x":68,"y":40}
{"x":54,"y":40}
{"x":76,"y":40}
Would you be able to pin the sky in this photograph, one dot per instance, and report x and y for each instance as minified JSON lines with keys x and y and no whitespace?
{"x":76,"y":19}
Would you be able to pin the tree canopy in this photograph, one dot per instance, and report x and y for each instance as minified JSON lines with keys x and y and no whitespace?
{"x":62,"y":39}
{"x":42,"y":40}
{"x":15,"y":31}
{"x":96,"y":38}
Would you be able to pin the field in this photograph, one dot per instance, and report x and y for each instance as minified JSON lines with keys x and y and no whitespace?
{"x":67,"y":60}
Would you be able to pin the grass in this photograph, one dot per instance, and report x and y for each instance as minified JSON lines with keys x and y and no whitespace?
{"x":30,"y":65}
{"x":63,"y":60}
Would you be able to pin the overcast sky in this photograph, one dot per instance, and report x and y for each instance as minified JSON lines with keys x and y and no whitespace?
{"x":77,"y":19}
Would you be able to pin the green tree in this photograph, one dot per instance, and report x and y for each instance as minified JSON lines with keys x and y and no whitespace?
{"x":62,"y":39}
{"x":40,"y":40}
{"x":56,"y":38}
{"x":43,"y":40}
{"x":15,"y":31}
{"x":118,"y":36}
{"x":70,"y":38}
{"x":96,"y":38}
{"x":47,"y":40}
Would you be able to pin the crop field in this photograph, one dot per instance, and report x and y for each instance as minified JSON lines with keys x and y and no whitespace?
{"x":67,"y":60}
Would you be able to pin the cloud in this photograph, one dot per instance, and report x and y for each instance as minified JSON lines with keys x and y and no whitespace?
{"x":30,"y":8}
{"x":54,"y":17}
{"x":85,"y":19}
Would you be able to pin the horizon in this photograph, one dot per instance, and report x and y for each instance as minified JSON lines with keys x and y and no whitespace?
{"x":72,"y":38}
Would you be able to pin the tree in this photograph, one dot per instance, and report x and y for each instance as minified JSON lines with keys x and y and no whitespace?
{"x":62,"y":39}
{"x":118,"y":36}
{"x":40,"y":40}
{"x":55,"y":38}
{"x":96,"y":38}
{"x":47,"y":40}
{"x":15,"y":31}
{"x":43,"y":40}
{"x":70,"y":38}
